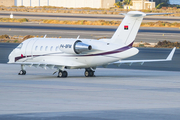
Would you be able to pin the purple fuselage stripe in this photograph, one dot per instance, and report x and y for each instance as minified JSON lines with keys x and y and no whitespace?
{"x":111,"y":52}
{"x":105,"y":53}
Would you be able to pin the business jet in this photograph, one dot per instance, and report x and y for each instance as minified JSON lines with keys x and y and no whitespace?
{"x":64,"y":53}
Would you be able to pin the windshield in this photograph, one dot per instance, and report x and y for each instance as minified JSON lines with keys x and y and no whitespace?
{"x":19,"y":46}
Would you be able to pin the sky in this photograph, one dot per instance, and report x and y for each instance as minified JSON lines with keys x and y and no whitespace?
{"x":174,"y":2}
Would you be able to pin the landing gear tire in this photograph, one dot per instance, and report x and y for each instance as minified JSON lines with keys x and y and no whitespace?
{"x":62,"y":74}
{"x":86,"y":73}
{"x":22,"y":72}
{"x":89,"y":73}
{"x":65,"y":74}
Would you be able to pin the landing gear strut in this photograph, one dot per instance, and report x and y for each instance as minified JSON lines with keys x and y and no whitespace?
{"x":62,"y":74}
{"x":22,"y":71}
{"x":89,"y":73}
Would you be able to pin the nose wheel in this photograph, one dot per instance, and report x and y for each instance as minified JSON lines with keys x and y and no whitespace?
{"x":89,"y":73}
{"x":63,"y":74}
{"x":22,"y":72}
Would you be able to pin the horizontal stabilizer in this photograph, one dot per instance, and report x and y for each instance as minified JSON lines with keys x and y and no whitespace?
{"x":149,"y":14}
{"x":145,"y":14}
{"x":134,"y":14}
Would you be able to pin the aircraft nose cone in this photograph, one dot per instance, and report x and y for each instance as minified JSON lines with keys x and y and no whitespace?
{"x":11,"y":57}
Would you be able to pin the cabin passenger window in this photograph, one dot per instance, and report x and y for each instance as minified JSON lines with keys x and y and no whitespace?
{"x":36,"y":48}
{"x":41,"y":48}
{"x":51,"y":48}
{"x":46,"y":48}
{"x":57,"y":48}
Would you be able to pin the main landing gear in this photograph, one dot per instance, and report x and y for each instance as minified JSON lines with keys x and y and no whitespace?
{"x":22,"y":71}
{"x":62,"y":74}
{"x":89,"y":73}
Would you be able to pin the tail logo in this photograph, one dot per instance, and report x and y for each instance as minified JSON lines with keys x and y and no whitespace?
{"x":126,"y":27}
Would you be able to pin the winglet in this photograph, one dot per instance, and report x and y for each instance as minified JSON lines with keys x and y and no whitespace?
{"x":171,"y":54}
{"x":78,"y":36}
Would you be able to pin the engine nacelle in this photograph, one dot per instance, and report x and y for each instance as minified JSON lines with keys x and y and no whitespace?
{"x":74,"y":46}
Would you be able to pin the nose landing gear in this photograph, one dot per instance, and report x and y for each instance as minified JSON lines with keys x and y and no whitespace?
{"x":22,"y":71}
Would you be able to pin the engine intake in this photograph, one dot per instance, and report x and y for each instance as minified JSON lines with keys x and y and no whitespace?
{"x":80,"y":47}
{"x":74,"y":46}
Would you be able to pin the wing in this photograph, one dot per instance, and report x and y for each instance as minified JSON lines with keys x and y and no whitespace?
{"x":51,"y":64}
{"x":130,"y":62}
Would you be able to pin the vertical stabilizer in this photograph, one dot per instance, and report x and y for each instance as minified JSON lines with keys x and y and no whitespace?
{"x":127,"y":31}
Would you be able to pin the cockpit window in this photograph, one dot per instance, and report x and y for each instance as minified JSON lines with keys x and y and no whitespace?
{"x":19,"y":46}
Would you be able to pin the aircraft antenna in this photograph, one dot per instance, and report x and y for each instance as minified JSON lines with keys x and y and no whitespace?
{"x":78,"y":37}
{"x":45,"y":36}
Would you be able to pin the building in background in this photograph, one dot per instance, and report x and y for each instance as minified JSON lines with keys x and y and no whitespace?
{"x":67,"y":3}
{"x":137,"y":4}
{"x":7,"y":3}
{"x":143,"y":4}
{"x":140,"y":4}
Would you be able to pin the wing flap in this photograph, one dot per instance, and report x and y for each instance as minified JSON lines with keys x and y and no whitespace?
{"x":50,"y":65}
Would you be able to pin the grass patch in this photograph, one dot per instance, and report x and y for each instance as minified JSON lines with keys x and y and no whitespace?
{"x":14,"y":39}
{"x":4,"y":36}
{"x":18,"y":39}
{"x":141,"y":45}
{"x":115,"y":11}
{"x":13,"y":20}
{"x":167,"y":44}
{"x":85,"y":22}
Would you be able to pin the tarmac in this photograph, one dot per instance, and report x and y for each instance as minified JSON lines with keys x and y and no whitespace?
{"x":145,"y":34}
{"x":114,"y":94}
{"x":144,"y":54}
{"x":89,"y":17}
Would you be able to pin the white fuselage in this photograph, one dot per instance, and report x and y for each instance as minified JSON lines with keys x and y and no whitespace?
{"x":57,"y":51}
{"x":64,"y":53}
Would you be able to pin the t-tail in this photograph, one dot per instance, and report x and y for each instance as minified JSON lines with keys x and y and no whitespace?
{"x":128,"y":29}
